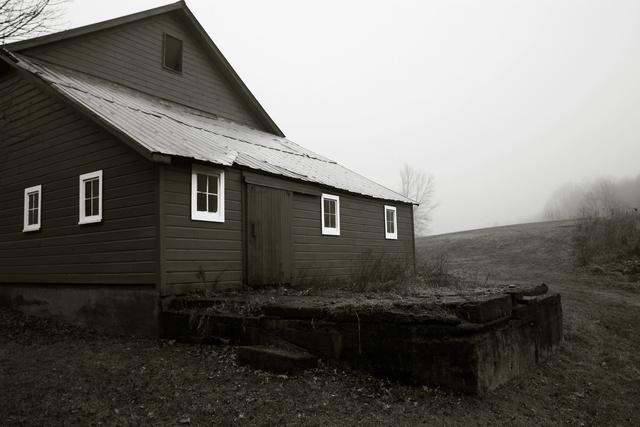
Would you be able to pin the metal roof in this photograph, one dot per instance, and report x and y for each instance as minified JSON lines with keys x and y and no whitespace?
{"x":162,"y":127}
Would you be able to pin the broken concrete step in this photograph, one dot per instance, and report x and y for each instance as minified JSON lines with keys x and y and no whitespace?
{"x":276,"y":360}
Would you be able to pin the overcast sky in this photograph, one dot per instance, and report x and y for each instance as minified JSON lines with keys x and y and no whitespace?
{"x":503,"y":101}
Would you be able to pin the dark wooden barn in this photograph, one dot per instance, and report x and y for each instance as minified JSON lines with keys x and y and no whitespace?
{"x":137,"y":165}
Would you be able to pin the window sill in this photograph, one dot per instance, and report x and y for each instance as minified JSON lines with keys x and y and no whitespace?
{"x":330,"y":232}
{"x":90,"y":221}
{"x":171,"y":70}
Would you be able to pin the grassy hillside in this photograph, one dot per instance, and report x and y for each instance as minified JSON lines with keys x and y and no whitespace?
{"x":52,"y":375}
{"x":525,"y":253}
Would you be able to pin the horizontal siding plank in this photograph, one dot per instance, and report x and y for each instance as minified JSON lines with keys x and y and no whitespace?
{"x":178,"y":255}
{"x":122,"y":248}
{"x":231,"y":245}
{"x":212,"y":268}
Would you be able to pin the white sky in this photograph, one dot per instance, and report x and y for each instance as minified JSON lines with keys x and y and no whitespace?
{"x":503,"y":101}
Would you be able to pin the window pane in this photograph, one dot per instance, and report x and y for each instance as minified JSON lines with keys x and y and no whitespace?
{"x":87,"y":189}
{"x":95,"y":206}
{"x":33,"y":217}
{"x":329,"y":206}
{"x":87,"y":207}
{"x":201,"y":199}
{"x":330,"y":213}
{"x":202,"y":183}
{"x":213,"y":184}
{"x":172,"y":53}
{"x":391,"y":221}
{"x":213,"y":203}
{"x":95,"y":187}
{"x":329,"y":220}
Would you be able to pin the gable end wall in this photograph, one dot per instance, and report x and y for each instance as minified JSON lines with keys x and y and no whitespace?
{"x":131,"y":55}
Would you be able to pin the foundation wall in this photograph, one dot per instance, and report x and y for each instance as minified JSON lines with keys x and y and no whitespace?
{"x":470,"y":346}
{"x":128,"y":310}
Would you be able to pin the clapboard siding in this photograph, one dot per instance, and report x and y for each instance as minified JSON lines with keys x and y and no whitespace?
{"x":325,"y":258}
{"x":131,"y":55}
{"x":45,"y":143}
{"x":196,"y":247}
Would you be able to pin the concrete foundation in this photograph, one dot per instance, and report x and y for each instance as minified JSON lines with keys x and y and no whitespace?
{"x":468,"y":346}
{"x":133,"y":310}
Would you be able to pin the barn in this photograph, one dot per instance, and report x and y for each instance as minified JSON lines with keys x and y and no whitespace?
{"x":137,"y":165}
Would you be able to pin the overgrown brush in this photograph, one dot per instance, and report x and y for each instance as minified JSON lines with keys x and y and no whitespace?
{"x":387,"y":273}
{"x":379,"y":271}
{"x":436,"y":271}
{"x":607,"y":239}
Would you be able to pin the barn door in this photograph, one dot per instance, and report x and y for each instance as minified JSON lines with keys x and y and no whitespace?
{"x":269,"y":235}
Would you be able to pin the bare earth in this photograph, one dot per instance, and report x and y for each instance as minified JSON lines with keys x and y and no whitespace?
{"x":54,"y":374}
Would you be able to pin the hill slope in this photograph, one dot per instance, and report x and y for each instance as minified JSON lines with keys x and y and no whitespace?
{"x":524,"y":253}
{"x":596,"y":374}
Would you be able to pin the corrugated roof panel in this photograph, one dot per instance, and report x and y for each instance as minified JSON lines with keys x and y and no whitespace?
{"x":171,"y":129}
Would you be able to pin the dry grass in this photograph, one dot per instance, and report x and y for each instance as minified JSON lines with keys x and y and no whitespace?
{"x":57,"y":375}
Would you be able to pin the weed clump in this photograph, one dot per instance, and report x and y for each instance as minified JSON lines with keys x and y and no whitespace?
{"x":607,"y":239}
{"x":387,"y":273}
{"x":379,"y":271}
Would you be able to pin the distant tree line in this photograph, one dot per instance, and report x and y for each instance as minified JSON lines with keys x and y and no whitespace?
{"x":600,"y":197}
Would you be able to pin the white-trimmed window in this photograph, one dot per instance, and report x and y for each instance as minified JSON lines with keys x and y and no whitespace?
{"x":91,"y":197}
{"x":207,"y":194}
{"x":390,"y":222}
{"x":32,"y":208}
{"x":330,"y":207}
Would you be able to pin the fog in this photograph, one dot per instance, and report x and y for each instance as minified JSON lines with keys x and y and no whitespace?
{"x":502,"y":101}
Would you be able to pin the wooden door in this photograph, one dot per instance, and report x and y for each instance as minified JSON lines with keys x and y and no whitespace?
{"x":269,"y":235}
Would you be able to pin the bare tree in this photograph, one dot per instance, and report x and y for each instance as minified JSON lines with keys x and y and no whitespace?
{"x":565,"y":203}
{"x":21,"y":19}
{"x":600,"y":198}
{"x":419,"y":186}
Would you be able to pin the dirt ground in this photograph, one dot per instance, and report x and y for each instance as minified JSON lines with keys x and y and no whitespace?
{"x":53,"y":374}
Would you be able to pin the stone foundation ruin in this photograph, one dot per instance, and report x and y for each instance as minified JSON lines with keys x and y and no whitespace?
{"x":459,"y":344}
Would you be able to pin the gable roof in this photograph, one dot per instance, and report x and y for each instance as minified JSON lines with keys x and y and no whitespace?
{"x":182,"y":12}
{"x":157,"y":128}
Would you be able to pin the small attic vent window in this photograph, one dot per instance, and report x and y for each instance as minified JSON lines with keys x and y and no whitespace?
{"x":172,"y":53}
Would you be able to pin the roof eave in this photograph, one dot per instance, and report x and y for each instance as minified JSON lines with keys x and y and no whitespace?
{"x":24,"y":70}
